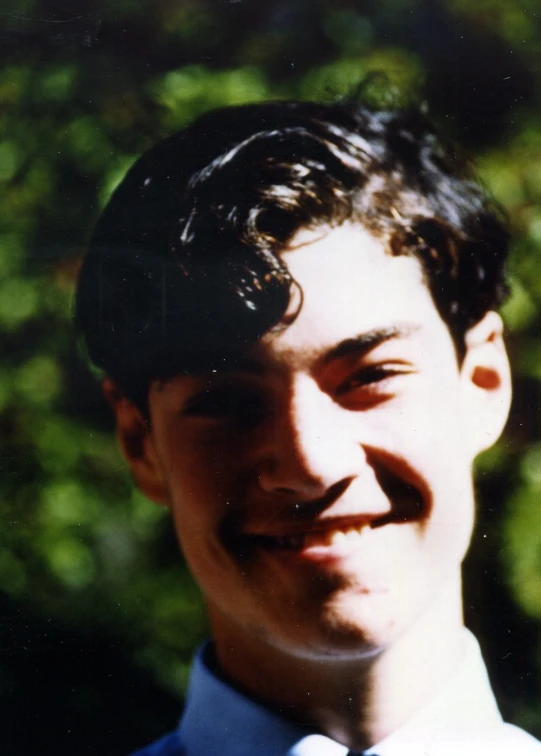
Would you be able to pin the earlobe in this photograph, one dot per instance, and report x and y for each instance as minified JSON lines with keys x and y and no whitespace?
{"x":487,"y":381}
{"x":136,"y":444}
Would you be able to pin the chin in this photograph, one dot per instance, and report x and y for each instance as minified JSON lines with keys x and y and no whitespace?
{"x":336,"y":633}
{"x":333,"y":645}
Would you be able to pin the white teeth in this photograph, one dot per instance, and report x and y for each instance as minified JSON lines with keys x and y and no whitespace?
{"x":320,"y":538}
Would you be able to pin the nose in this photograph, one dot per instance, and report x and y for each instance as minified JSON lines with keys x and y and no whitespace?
{"x":309,"y":445}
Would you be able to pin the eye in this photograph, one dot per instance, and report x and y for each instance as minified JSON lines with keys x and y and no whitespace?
{"x":226,"y":403}
{"x":372,"y":377}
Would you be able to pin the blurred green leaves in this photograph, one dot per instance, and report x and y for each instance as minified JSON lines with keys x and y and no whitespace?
{"x":522,"y":549}
{"x":191,"y":91}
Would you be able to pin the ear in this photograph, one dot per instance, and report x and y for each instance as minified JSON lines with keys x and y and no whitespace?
{"x":136,"y":444}
{"x":486,"y":378}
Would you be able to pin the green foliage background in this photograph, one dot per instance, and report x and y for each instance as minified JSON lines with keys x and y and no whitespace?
{"x":98,"y":617}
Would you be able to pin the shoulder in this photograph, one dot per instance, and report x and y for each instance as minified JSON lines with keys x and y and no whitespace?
{"x":516,"y":738}
{"x":502,"y":741}
{"x":166,"y":746}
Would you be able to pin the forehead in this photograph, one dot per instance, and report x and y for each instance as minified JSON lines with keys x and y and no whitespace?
{"x":351,"y":285}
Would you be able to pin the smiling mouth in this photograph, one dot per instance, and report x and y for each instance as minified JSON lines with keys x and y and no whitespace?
{"x":340,"y":536}
{"x":328,"y":536}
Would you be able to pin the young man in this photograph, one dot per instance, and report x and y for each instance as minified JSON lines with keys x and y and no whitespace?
{"x":293,"y":306}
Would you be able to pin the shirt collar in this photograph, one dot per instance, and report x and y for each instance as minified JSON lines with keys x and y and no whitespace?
{"x":217,"y":716}
{"x":219,"y":719}
{"x":463,"y":712}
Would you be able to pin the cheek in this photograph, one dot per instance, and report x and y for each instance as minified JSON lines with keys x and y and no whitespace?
{"x":206,"y":484}
{"x":450,"y":526}
{"x":198,"y":509}
{"x":201,"y":465}
{"x":426,"y":449}
{"x":430,"y":430}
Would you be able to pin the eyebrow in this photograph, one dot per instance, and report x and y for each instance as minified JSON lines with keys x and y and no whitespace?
{"x":365,"y":342}
{"x":357,"y":345}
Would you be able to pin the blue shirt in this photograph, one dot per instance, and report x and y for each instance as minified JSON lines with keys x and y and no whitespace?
{"x":462,"y":718}
{"x":215,"y":714}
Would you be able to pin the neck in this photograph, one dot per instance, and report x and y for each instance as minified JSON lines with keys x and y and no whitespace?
{"x":357,"y":702}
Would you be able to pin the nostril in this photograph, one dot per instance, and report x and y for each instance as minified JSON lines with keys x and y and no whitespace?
{"x":282,"y":489}
{"x":307,"y":509}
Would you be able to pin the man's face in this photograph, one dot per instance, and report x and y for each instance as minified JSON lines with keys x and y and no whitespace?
{"x":322,"y":493}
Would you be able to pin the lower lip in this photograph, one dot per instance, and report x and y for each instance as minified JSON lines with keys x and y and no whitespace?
{"x":339,"y":548}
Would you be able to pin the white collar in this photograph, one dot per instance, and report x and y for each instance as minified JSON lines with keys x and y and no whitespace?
{"x":463,"y":712}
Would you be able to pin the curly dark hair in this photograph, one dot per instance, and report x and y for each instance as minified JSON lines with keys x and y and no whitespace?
{"x":184,"y":269}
